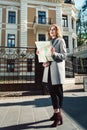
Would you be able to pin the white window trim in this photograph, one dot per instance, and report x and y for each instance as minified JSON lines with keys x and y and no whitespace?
{"x":45,"y":33}
{"x":11,"y":9}
{"x":41,"y":8}
{"x":11,"y":32}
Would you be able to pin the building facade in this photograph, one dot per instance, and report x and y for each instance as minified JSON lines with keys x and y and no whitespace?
{"x":22,"y":22}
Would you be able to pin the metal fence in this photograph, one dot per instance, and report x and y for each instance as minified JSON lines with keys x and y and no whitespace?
{"x":17,"y":65}
{"x":19,"y":68}
{"x":69,"y":67}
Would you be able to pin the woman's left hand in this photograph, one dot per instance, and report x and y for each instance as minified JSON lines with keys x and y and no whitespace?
{"x":52,"y":51}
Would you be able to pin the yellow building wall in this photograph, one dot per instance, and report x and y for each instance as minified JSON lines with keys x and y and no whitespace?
{"x":31,"y":14}
{"x":3,"y":38}
{"x":3,"y":26}
{"x":31,"y":37}
{"x":52,"y":15}
{"x":4,"y":15}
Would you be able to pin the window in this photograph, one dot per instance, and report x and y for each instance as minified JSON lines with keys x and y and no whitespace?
{"x":41,"y":37}
{"x":72,"y":23}
{"x":10,"y":65}
{"x":64,"y":21}
{"x":11,"y":40}
{"x":69,"y":1}
{"x":73,"y":42}
{"x":29,"y":65}
{"x":66,"y":41}
{"x":11,"y":17}
{"x":41,"y":17}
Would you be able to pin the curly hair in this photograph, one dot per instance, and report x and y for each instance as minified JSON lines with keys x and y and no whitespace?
{"x":57,"y":29}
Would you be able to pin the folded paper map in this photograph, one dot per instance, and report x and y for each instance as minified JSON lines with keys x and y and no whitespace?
{"x":44,"y":48}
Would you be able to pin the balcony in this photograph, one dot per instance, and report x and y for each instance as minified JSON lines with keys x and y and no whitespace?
{"x":66,"y":29}
{"x":80,"y":51}
{"x":42,"y":23}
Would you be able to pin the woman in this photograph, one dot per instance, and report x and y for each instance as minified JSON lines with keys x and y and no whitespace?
{"x":54,"y":73}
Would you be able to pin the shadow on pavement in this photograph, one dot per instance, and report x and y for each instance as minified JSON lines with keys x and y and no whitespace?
{"x":33,"y":125}
{"x":76,"y":108}
{"x":37,"y":102}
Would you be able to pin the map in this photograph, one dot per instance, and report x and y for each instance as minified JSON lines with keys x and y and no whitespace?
{"x":44,"y":49}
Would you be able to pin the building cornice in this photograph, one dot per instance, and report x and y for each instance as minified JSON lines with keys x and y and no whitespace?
{"x":10,"y":0}
{"x":50,"y":1}
{"x":69,"y":6}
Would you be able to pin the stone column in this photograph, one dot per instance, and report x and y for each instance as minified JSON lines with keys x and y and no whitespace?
{"x":69,"y":23}
{"x":59,"y":15}
{"x":70,"y":44}
{"x":23,"y":23}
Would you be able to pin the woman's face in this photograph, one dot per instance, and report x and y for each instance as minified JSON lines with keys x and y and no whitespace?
{"x":53,"y":32}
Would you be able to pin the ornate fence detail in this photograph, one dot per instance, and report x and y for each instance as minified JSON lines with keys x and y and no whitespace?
{"x":17,"y":65}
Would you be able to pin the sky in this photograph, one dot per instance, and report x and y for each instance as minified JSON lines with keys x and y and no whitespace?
{"x":79,"y":3}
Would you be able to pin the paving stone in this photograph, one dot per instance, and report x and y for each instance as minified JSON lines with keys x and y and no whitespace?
{"x":33,"y":112}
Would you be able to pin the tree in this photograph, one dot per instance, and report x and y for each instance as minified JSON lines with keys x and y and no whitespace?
{"x":79,"y":29}
{"x":84,"y":7}
{"x":82,"y":25}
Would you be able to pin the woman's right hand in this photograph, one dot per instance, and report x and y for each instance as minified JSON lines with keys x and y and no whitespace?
{"x":45,"y":64}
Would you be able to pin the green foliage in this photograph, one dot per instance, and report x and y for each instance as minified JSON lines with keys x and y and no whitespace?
{"x":81,"y":38}
{"x":81,"y":28}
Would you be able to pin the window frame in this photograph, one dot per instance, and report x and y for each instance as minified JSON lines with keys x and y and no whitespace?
{"x":43,"y":39}
{"x":11,"y":40}
{"x":73,"y":42}
{"x":66,"y":38}
{"x":72,"y":23}
{"x":11,"y":18}
{"x":10,"y":62}
{"x":64,"y":20}
{"x":42,"y":18}
{"x":29,"y":64}
{"x":43,"y":9}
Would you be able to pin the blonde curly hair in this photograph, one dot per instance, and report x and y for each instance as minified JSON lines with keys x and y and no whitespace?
{"x":57,"y":30}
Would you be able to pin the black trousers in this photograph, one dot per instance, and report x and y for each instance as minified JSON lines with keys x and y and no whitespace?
{"x":56,"y":93}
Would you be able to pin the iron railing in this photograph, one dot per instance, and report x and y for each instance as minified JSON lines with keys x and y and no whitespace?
{"x":80,"y":49}
{"x":69,"y":67}
{"x":17,"y":65}
{"x":43,"y":20}
{"x":20,"y":66}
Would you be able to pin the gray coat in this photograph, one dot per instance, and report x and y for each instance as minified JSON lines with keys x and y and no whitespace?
{"x":57,"y":67}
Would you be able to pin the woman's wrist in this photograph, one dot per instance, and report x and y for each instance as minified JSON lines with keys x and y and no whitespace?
{"x":46,"y":64}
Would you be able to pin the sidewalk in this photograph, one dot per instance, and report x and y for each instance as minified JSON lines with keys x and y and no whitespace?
{"x":33,"y":112}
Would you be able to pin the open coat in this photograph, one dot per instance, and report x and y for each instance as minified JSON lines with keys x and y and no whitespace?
{"x":57,"y":67}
